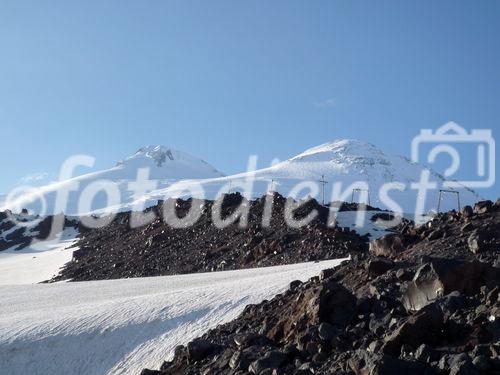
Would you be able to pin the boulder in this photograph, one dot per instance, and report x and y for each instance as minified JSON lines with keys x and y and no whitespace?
{"x":295,"y":284}
{"x":244,"y":340}
{"x":379,"y":266}
{"x":325,"y":274}
{"x":199,"y":349}
{"x":367,"y":363}
{"x":481,"y":362}
{"x":496,"y":206}
{"x":467,"y":211}
{"x":150,"y":372}
{"x":425,"y":354}
{"x":436,"y":234}
{"x":326,"y":331}
{"x":462,"y":365}
{"x":418,"y":329}
{"x":442,"y":276}
{"x":80,"y":253}
{"x":271,"y":360}
{"x":329,"y":302}
{"x":466,"y":227}
{"x":241,"y":360}
{"x":483,"y":207}
{"x":453,"y":302}
{"x":387,"y":246}
{"x":478,"y":241}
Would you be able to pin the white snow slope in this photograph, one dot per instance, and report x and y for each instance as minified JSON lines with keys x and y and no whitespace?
{"x":122,"y":326}
{"x":38,"y":262}
{"x":344,"y":161}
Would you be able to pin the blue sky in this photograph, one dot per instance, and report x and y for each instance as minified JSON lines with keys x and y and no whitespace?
{"x":225,"y":79}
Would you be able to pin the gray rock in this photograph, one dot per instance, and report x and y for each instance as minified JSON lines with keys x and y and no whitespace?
{"x":481,"y":362}
{"x":244,"y":340}
{"x":483,"y":207}
{"x":326,"y":331}
{"x":235,"y":361}
{"x":241,"y":359}
{"x":467,"y":227}
{"x":364,"y":362}
{"x":271,"y":360}
{"x":199,"y":349}
{"x":312,"y":348}
{"x":387,"y":246}
{"x":477,"y":242}
{"x":462,"y":365}
{"x":424,"y":354}
{"x":434,"y":235}
{"x":375,"y":346}
{"x":467,"y":211}
{"x":442,"y":276}
{"x":295,"y":284}
{"x":404,"y":275}
{"x":325,"y":274}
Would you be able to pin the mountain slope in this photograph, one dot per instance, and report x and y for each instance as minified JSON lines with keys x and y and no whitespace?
{"x":165,"y":165}
{"x":345,"y":162}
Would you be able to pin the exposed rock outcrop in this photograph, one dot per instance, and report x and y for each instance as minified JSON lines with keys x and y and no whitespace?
{"x":434,"y":308}
{"x":157,"y":248}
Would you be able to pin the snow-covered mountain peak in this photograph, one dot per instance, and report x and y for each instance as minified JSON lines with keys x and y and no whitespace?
{"x":157,"y":154}
{"x":164,"y":166}
{"x":165,"y":162}
{"x":351,"y":155}
{"x":342,"y":148}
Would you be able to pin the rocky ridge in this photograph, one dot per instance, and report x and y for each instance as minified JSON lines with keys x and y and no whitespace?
{"x":421,"y":301}
{"x":18,"y":231}
{"x":119,"y":251}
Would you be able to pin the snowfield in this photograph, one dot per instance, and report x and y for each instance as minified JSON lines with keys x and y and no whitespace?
{"x":123,"y":326}
{"x":38,"y":262}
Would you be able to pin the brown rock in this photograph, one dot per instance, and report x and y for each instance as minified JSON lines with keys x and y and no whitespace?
{"x":418,"y":329}
{"x":329,"y":302}
{"x":379,"y":266}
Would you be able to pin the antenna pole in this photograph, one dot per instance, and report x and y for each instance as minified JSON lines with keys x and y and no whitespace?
{"x":439,"y":200}
{"x":441,"y":192}
{"x":358,"y":190}
{"x":323,"y":183}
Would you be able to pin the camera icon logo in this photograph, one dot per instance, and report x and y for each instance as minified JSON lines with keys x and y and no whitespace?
{"x":443,"y":140}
